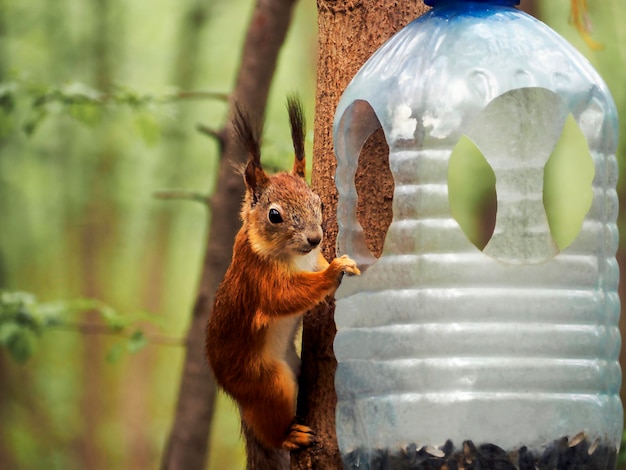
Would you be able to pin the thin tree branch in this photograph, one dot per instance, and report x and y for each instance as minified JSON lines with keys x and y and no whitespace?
{"x":215,"y":134}
{"x":124,"y":97}
{"x":194,"y":95}
{"x":182,"y":195}
{"x":98,"y":329}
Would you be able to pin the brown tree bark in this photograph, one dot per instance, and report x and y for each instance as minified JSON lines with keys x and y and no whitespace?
{"x":185,"y":72}
{"x":187,"y":445}
{"x":349,"y":32}
{"x":529,"y":6}
{"x":97,"y":230}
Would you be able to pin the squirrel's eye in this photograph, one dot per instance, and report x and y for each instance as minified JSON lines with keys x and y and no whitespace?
{"x":274,"y":216}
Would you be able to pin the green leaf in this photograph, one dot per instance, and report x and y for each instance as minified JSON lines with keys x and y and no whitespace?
{"x":7,"y":107}
{"x":115,"y":353}
{"x":16,"y":304}
{"x":111,"y":318}
{"x":36,"y":118}
{"x":79,"y":90}
{"x":51,"y":313}
{"x":137,"y":342}
{"x":22,"y":345}
{"x":7,"y":331}
{"x":87,"y":113}
{"x":148,"y":128}
{"x":7,"y":123}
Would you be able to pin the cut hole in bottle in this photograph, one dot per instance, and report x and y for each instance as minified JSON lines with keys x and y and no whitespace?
{"x":543,"y":175}
{"x":374,"y":187}
{"x":365,"y":184}
{"x":567,"y":185}
{"x":567,"y":188}
{"x":472,"y":192}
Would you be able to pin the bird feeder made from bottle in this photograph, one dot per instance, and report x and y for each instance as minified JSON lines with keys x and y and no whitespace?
{"x":506,"y":352}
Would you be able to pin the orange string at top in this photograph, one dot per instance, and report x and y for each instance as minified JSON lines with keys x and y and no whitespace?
{"x":580,"y":18}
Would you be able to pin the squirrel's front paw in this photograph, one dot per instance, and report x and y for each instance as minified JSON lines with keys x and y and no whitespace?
{"x":347,"y":265}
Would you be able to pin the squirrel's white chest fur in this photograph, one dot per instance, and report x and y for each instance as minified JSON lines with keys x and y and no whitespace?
{"x":307,"y":262}
{"x":281,"y":334}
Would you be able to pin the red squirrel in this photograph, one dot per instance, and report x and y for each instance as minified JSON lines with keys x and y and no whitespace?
{"x":277,"y":273}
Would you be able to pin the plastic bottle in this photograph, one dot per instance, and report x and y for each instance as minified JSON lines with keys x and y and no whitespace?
{"x":446,"y":351}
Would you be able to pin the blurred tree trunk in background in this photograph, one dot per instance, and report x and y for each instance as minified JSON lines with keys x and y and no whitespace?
{"x":78,"y":218}
{"x":185,"y":75}
{"x":97,"y":231}
{"x":187,"y":443}
{"x":349,"y":32}
{"x":5,"y":454}
{"x":3,"y":56}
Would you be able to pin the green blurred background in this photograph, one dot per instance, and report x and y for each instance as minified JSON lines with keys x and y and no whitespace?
{"x":78,"y":217}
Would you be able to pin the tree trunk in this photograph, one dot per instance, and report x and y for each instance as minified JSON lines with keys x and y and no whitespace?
{"x":187,"y":445}
{"x":184,"y":75}
{"x":349,"y":32}
{"x":98,"y":229}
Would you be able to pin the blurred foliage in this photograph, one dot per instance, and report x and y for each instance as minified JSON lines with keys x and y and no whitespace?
{"x":604,"y":24}
{"x":24,"y":320}
{"x":99,"y":104}
{"x":80,"y":159}
{"x":567,"y":191}
{"x":84,"y":104}
{"x":472,"y":192}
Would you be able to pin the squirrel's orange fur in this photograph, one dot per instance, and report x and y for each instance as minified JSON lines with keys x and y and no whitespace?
{"x":277,"y":273}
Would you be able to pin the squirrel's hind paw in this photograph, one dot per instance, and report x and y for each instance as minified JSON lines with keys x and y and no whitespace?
{"x":299,"y":436}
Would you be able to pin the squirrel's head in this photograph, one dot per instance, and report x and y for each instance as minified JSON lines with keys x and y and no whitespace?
{"x":281,"y":213}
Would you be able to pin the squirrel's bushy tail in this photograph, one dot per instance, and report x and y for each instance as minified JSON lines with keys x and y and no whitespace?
{"x":260,"y":457}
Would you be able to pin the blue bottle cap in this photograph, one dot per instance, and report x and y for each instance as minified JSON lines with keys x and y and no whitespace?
{"x":433,"y":3}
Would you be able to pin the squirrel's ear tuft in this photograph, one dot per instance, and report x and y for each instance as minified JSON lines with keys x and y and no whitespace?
{"x":256,"y":180}
{"x":298,"y":132}
{"x":248,"y":138}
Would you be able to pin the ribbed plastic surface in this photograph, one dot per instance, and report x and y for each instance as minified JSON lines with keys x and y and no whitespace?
{"x":516,"y":345}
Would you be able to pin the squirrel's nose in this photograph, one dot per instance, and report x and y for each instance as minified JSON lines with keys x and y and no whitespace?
{"x":314,"y":240}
